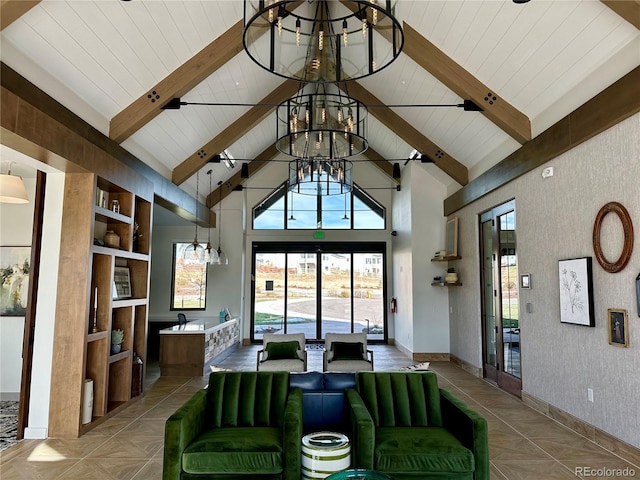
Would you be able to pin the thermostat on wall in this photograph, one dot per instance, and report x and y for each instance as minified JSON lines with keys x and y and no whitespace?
{"x":547,"y":172}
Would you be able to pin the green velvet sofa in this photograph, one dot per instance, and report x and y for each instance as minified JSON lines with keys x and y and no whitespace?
{"x":405,"y":426}
{"x":244,"y":425}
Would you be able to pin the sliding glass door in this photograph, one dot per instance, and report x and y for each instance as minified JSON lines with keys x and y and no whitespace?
{"x":315,"y":289}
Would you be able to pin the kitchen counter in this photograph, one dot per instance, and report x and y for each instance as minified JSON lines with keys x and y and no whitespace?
{"x":189,"y":350}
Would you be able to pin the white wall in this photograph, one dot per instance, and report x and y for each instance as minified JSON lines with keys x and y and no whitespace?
{"x":16,"y":223}
{"x":555,"y":221}
{"x":37,"y":425}
{"x":422,"y":321}
{"x":223,"y":282}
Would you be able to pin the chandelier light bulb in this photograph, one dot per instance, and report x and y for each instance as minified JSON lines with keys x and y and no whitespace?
{"x":345,"y":33}
{"x":279,"y":25}
{"x":271,"y":15}
{"x":320,"y":40}
{"x":298,"y":32}
{"x":364,"y":27}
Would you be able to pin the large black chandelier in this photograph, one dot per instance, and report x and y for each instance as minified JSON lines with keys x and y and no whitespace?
{"x":321,"y":121}
{"x":320,"y":176}
{"x":322,"y":40}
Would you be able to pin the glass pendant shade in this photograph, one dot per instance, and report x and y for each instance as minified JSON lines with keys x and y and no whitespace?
{"x":322,"y":40}
{"x":320,"y":176}
{"x":321,"y":121}
{"x":194,"y":253}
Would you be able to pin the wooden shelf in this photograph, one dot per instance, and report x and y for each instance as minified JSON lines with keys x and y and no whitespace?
{"x":120,"y":253}
{"x":129,"y":302}
{"x":446,"y":284}
{"x":107,"y":216}
{"x":446,"y":259}
{"x":119,"y":356}
{"x":92,"y":337}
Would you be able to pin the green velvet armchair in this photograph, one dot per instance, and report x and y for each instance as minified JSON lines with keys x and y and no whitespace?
{"x":406,"y":427}
{"x":244,"y":425}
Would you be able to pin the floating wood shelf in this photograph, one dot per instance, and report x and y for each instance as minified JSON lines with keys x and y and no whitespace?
{"x":446,"y":259}
{"x":446,"y":284}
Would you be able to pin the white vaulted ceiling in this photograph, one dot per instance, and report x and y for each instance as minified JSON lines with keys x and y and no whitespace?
{"x":544,"y":58}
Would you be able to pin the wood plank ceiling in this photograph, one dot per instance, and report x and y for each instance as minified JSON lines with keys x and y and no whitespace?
{"x":116,"y":64}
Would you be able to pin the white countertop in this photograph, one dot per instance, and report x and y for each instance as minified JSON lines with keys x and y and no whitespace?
{"x":196,"y":326}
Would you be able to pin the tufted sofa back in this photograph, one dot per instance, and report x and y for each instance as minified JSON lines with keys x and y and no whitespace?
{"x":401,"y":399}
{"x":247,"y":399}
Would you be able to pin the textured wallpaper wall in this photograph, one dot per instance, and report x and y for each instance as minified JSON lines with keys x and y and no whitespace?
{"x":555,"y":221}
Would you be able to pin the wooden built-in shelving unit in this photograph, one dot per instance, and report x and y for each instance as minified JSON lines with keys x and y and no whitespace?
{"x":83,"y":353}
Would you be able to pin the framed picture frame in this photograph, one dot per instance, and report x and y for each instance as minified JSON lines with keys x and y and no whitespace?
{"x":525,"y":280}
{"x":451,"y":237}
{"x":618,"y":326}
{"x":14,"y":286}
{"x":638,"y":293}
{"x":121,"y":283}
{"x":576,"y":291}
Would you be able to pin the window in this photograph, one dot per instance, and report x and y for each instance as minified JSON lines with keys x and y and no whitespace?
{"x":287,"y":210}
{"x":189,"y":286}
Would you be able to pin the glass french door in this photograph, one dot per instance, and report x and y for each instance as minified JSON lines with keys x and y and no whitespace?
{"x":500,"y":308}
{"x":315,"y":289}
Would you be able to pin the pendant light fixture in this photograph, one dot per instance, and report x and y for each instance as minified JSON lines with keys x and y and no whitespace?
{"x":322,"y":40}
{"x":12,"y":189}
{"x":211,"y":255}
{"x":194,"y":253}
{"x":221,"y":258}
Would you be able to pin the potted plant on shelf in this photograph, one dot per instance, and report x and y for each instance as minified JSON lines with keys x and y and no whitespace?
{"x":451,"y":276}
{"x":117,"y":336}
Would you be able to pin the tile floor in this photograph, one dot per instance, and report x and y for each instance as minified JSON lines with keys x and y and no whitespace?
{"x":524,"y":444}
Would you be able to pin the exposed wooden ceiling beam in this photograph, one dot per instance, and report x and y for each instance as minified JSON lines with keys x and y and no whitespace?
{"x":627,"y":9}
{"x":381,"y":163}
{"x":228,"y":186}
{"x":409,"y":134}
{"x":177,"y":83}
{"x":611,"y":106}
{"x":234,"y":131}
{"x":11,"y":10}
{"x":515,"y":123}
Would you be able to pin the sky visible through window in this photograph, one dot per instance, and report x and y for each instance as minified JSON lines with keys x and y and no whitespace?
{"x":332,"y":212}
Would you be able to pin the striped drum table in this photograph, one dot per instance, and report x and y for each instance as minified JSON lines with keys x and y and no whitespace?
{"x":324,"y":453}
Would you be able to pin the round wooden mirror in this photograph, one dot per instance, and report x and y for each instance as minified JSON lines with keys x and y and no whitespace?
{"x":627,"y":227}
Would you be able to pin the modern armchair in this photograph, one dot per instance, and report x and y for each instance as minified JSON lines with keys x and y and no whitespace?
{"x":403,"y":425}
{"x":346,"y":352}
{"x":282,"y":352}
{"x":244,"y":425}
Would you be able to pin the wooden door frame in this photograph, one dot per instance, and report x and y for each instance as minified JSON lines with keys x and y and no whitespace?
{"x":506,"y":381}
{"x":30,"y":315}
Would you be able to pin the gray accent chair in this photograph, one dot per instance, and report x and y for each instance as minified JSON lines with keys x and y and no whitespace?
{"x":331,"y":364}
{"x":299,"y":364}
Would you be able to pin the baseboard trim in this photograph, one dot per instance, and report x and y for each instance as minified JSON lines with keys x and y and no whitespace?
{"x":37,"y":433}
{"x":431,"y":357}
{"x":10,"y":396}
{"x":466,"y":366}
{"x":604,"y":439}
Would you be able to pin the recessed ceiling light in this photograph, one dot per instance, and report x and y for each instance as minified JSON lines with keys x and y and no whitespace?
{"x":237,"y":84}
{"x":403,"y":82}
